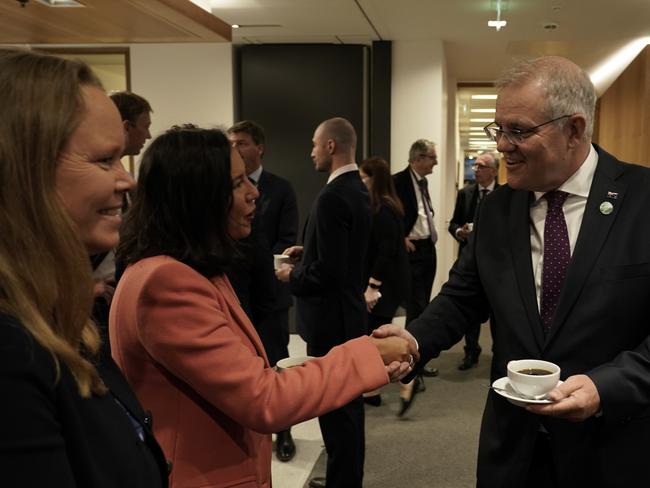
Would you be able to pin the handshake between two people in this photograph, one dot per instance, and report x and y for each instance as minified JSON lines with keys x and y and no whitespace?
{"x":398,"y":350}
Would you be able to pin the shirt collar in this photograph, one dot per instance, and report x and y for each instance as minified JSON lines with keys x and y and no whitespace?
{"x":255,"y":175}
{"x":343,"y":169}
{"x":490,"y":187}
{"x":580,"y":182}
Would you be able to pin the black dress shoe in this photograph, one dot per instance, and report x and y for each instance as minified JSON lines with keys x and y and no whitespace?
{"x":407,"y":402}
{"x":373,"y":400}
{"x":430,"y":371}
{"x":469,"y":361}
{"x":317,"y":482}
{"x":285,"y":449}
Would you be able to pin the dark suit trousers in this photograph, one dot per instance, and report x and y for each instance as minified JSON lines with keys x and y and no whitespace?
{"x":274,"y":332}
{"x":344,"y":437}
{"x":423,"y":270}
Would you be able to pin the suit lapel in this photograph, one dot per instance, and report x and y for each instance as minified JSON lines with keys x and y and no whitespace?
{"x":592,"y":236}
{"x":520,"y":249}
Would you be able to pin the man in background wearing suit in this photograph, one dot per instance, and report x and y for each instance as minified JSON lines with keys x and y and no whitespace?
{"x":420,"y":239}
{"x":329,"y":284}
{"x":468,"y":201}
{"x":561,"y":257}
{"x":276,"y":216}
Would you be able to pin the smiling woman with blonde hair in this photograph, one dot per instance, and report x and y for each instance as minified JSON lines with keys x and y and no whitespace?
{"x":66,"y":421}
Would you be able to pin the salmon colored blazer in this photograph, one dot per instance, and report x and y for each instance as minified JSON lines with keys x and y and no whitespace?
{"x":194,"y":359}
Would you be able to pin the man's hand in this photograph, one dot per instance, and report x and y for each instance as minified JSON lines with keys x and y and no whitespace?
{"x":388,"y":330}
{"x":283,"y":272}
{"x":294,"y":252}
{"x":410,"y":247}
{"x":463,"y":232}
{"x":576,"y":399}
{"x":372,"y":296}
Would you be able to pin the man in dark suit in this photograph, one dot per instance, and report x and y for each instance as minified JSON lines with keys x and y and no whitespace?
{"x":420,"y":237}
{"x":468,"y":201}
{"x":561,"y":257}
{"x":329,"y":284}
{"x":276,"y":216}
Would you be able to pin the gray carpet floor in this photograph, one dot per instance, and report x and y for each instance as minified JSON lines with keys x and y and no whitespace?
{"x":435,"y":443}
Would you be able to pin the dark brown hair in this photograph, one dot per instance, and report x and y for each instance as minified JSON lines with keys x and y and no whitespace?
{"x":382,"y":190}
{"x":182,"y":202}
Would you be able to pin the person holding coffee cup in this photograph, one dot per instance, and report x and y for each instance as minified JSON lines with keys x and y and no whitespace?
{"x":182,"y":339}
{"x":561,"y":258}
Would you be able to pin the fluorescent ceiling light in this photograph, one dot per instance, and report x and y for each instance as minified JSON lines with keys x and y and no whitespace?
{"x":481,"y":120}
{"x":483,"y":97}
{"x":484,"y":110}
{"x":60,"y":3}
{"x":497,"y":24}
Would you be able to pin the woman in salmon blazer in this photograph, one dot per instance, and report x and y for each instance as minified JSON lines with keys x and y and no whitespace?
{"x":184,"y":343}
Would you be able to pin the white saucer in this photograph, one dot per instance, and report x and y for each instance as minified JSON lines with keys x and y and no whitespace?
{"x":502,"y":387}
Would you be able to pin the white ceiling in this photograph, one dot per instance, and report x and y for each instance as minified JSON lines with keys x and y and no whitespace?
{"x":588,"y":31}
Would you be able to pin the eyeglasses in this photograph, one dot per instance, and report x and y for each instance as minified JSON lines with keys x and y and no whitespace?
{"x":515,"y":136}
{"x":476,"y":167}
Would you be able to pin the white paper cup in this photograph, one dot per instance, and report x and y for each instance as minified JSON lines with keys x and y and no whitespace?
{"x":527,"y":379}
{"x":279,"y":259}
{"x":287,"y":363}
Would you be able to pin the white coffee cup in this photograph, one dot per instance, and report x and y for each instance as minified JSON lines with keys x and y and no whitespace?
{"x":279,"y":259}
{"x":287,"y":363}
{"x":533,"y":378}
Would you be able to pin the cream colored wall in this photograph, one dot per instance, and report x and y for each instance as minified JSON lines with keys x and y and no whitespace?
{"x":184,"y":83}
{"x":419,"y":109}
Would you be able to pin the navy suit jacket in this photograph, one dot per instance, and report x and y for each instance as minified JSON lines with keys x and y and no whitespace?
{"x":601,"y":328}
{"x":277,"y":214}
{"x":329,"y":281}
{"x":406,"y":193}
{"x":465,"y":209}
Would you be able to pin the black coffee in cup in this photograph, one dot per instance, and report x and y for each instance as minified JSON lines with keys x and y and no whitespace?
{"x":535,"y":371}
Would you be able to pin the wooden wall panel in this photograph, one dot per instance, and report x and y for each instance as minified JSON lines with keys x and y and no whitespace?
{"x":623,"y":115}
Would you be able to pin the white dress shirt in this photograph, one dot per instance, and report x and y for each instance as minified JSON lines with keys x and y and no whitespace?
{"x":577,"y":186}
{"x":343,"y":169}
{"x":420,"y":228}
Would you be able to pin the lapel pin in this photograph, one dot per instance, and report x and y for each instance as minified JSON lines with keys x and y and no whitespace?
{"x":606,"y":208}
{"x":612,"y":194}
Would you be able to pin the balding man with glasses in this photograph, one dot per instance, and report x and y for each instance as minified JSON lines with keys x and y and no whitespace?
{"x":468,"y":202}
{"x":560,"y":256}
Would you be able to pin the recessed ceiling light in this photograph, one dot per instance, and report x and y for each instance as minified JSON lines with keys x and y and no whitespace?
{"x":235,"y":26}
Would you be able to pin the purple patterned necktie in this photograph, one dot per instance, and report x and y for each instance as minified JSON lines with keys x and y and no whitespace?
{"x":557,"y":253}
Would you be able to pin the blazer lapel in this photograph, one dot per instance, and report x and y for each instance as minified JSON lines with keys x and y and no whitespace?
{"x":242,"y":319}
{"x":592,"y":236}
{"x":520,"y":249}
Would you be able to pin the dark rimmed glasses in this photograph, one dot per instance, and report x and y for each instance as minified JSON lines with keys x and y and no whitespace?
{"x":515,"y":136}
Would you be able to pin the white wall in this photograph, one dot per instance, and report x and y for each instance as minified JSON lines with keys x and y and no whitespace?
{"x":184,"y":83}
{"x":419,"y":109}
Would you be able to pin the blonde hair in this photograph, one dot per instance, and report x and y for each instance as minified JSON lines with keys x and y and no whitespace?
{"x":45,"y":273}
